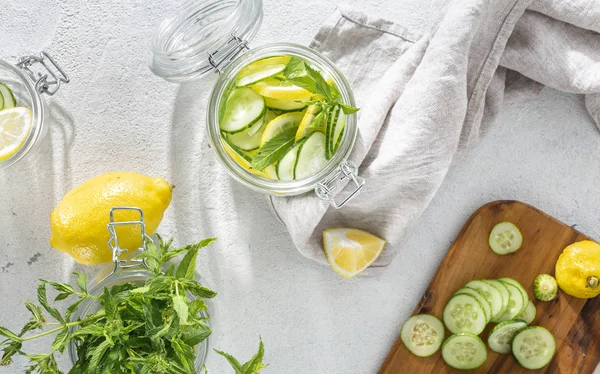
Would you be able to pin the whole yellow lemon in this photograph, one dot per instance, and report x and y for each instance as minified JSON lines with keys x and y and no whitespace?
{"x":79,"y":221}
{"x":578,"y":269}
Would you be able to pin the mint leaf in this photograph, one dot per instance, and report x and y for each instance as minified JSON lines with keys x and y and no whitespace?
{"x":187,"y":266}
{"x":196,"y":335}
{"x":255,"y":365}
{"x":321,"y":86}
{"x":81,"y":281}
{"x":274,"y":149}
{"x":347,"y":109}
{"x":294,"y":68}
{"x":9,"y":334}
{"x":235,"y":364}
{"x":43,"y":300}
{"x":181,"y":307}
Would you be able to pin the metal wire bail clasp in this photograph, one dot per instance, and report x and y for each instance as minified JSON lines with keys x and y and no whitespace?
{"x":225,"y":54}
{"x":113,"y":242}
{"x":325,"y":190}
{"x":43,"y":83}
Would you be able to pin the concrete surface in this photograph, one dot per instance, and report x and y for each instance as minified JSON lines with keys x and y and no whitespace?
{"x":115,"y":115}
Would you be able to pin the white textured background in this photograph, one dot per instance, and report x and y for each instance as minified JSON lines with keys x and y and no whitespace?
{"x":115,"y":115}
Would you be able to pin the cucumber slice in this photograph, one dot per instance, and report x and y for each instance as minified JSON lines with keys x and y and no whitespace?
{"x":487,"y":308}
{"x":332,"y":120}
{"x":521,"y":289}
{"x":285,"y":166}
{"x":515,"y":305}
{"x":464,"y":313}
{"x":243,"y":108}
{"x":545,"y":287}
{"x":261,"y":69}
{"x":285,"y":105}
{"x":338,"y":129}
{"x":533,"y":347}
{"x":422,"y":334}
{"x":491,"y":295}
{"x":311,"y":156}
{"x":268,"y":117}
{"x":245,"y":140}
{"x":280,"y":124}
{"x":464,"y":351}
{"x":505,"y":238}
{"x":501,"y":336}
{"x":1,"y":102}
{"x":8,"y":99}
{"x":529,"y":314}
{"x":503,"y":291}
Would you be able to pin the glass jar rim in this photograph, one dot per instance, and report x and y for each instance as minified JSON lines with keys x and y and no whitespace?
{"x":186,"y":42}
{"x":37,"y":111}
{"x":278,"y":187}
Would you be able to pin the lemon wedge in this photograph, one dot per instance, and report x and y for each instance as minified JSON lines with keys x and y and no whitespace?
{"x":15,"y":126}
{"x":277,"y":89}
{"x":350,"y":251}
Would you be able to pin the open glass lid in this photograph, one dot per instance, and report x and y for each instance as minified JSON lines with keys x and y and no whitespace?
{"x":203,"y":36}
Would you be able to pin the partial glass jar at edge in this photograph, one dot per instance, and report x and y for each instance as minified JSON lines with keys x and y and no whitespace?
{"x":227,"y":78}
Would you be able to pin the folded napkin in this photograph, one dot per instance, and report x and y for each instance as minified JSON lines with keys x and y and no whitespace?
{"x":424,"y":99}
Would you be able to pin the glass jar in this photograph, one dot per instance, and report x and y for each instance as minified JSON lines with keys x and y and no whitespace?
{"x":137,"y":272}
{"x":28,"y":86}
{"x":212,"y":36}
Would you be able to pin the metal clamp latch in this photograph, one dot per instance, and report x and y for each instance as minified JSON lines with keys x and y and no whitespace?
{"x":325,"y":190}
{"x":113,"y":242}
{"x":219,"y":59}
{"x":42,"y":82}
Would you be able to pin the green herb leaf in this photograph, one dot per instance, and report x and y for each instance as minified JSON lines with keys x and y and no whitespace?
{"x":255,"y":365}
{"x":81,"y":281}
{"x":9,"y":334}
{"x":109,"y":303}
{"x":43,"y":300}
{"x":235,"y":364}
{"x":347,"y":109}
{"x":60,"y":341}
{"x":36,"y":311}
{"x":322,"y":88}
{"x":294,"y":68}
{"x":181,"y":307}
{"x":187,"y":266}
{"x":61,"y":296}
{"x":196,"y":335}
{"x":274,"y":149}
{"x":61,"y":287}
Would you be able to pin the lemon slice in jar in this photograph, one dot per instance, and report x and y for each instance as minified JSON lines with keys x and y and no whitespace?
{"x":15,"y":126}
{"x":277,"y":89}
{"x":351,"y":251}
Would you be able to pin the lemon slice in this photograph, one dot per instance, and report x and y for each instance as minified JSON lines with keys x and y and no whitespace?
{"x":15,"y":126}
{"x":309,"y":116}
{"x":277,"y":89}
{"x":242,"y":159}
{"x":350,"y":251}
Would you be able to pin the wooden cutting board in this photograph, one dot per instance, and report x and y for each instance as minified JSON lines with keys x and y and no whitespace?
{"x":574,"y":322}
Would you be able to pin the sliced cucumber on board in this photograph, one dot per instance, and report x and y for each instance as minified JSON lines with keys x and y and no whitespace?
{"x":244,"y":108}
{"x":505,"y":238}
{"x":503,"y":291}
{"x":533,"y":347}
{"x":515,"y":305}
{"x":311,"y":156}
{"x":529,"y":314}
{"x":520,"y":288}
{"x":261,"y":69}
{"x":422,"y":334}
{"x":464,"y":351}
{"x":7,"y":98}
{"x":491,"y":295}
{"x":487,"y":308}
{"x":501,"y":336}
{"x":464,"y":313}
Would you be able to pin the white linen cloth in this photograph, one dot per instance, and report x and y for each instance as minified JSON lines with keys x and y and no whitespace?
{"x":424,"y":99}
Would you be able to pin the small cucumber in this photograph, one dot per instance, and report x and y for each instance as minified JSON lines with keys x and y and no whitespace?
{"x":545,"y":287}
{"x":464,"y":313}
{"x":422,"y":334}
{"x":311,"y":156}
{"x":505,"y":238}
{"x":243,"y":108}
{"x":464,"y":351}
{"x":501,"y":336}
{"x":533,"y":347}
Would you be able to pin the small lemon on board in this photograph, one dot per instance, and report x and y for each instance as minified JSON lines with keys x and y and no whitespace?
{"x":79,"y":221}
{"x":350,"y":251}
{"x":578,"y":269}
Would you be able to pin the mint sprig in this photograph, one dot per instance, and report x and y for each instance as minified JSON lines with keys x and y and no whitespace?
{"x":150,"y":328}
{"x":274,"y":149}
